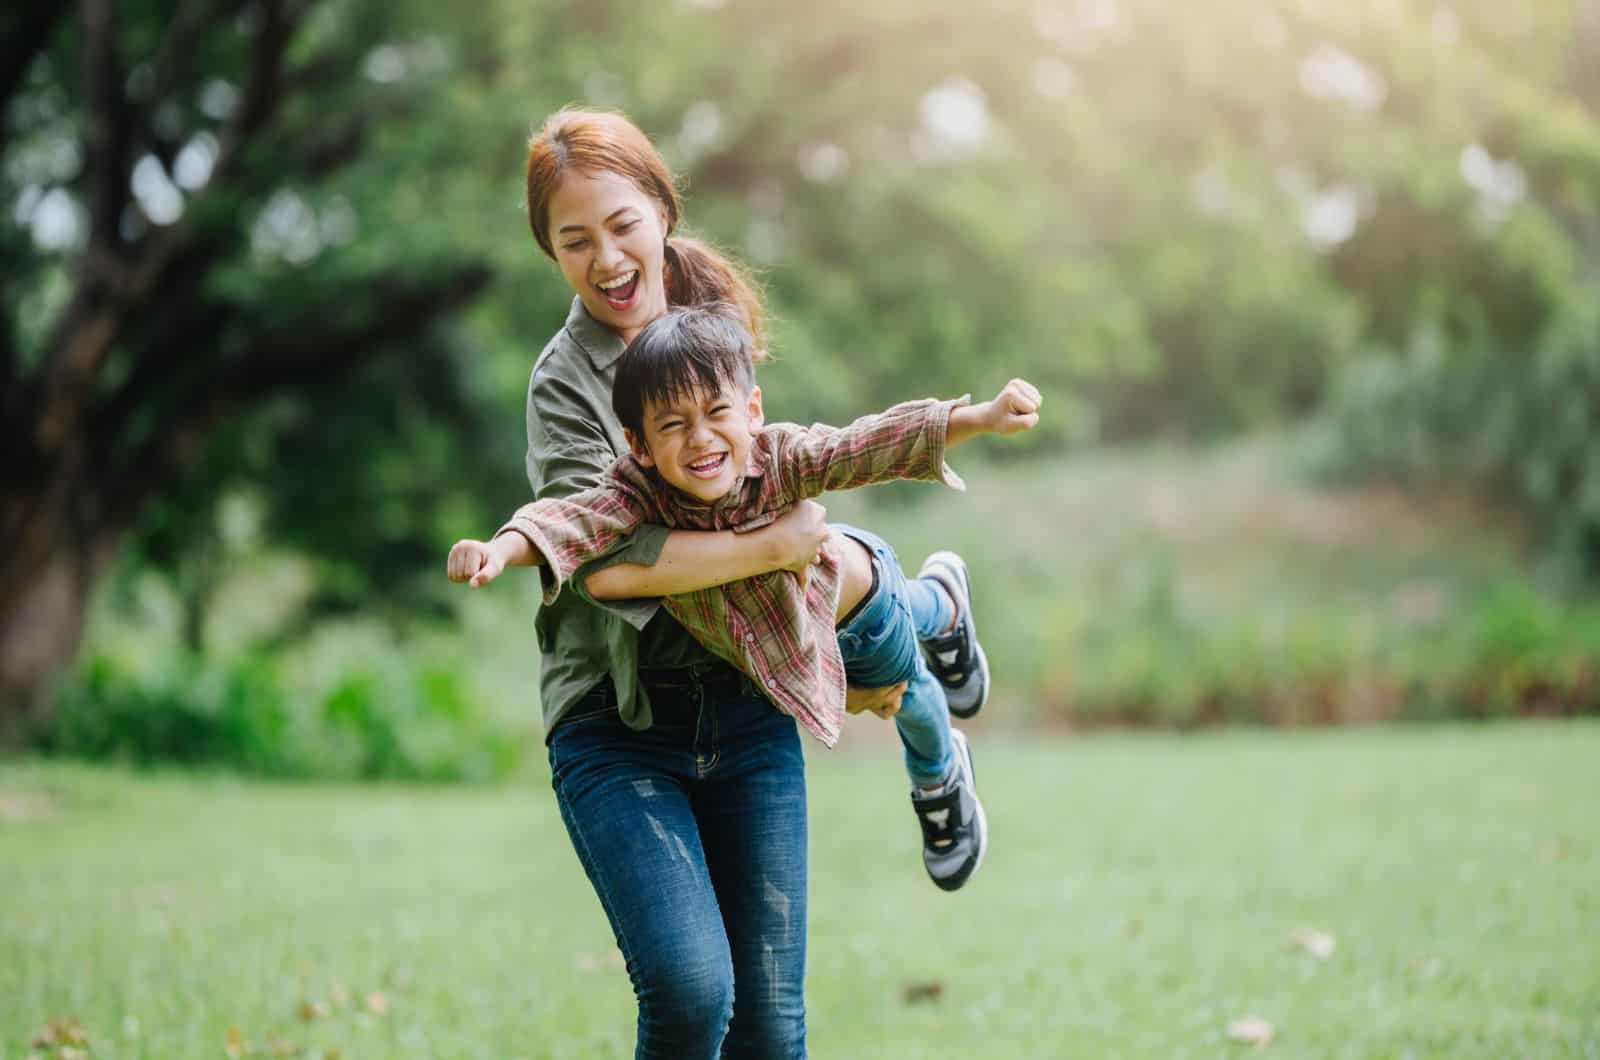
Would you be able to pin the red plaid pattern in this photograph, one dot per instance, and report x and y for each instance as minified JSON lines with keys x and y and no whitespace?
{"x":782,"y":638}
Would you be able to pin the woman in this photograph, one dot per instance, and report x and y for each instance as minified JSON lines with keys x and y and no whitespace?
{"x":681,"y":787}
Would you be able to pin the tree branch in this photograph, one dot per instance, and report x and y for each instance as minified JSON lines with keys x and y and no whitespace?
{"x":107,"y":285}
{"x":263,"y":88}
{"x":24,"y":32}
{"x":328,"y":344}
{"x":108,"y":134}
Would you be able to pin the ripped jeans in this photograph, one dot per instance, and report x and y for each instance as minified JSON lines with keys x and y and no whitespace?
{"x":693,"y":833}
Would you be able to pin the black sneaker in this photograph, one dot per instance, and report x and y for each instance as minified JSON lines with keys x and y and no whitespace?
{"x":954,"y":830}
{"x":956,"y":658}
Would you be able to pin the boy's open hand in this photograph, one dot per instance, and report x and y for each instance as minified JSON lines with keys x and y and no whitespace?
{"x":475,"y":562}
{"x":1014,"y":409}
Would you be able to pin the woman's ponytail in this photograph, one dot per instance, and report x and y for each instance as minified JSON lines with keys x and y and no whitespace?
{"x":698,"y":274}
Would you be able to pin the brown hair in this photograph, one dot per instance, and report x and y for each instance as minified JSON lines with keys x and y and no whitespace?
{"x":602,"y":142}
{"x":685,"y":350}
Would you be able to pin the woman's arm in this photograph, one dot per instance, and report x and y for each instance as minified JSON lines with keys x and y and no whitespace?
{"x":700,"y":559}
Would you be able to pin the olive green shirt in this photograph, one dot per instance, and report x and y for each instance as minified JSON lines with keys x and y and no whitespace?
{"x":573,"y":437}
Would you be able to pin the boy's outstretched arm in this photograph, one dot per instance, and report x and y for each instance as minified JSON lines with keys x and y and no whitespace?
{"x":481,"y":562}
{"x":1014,"y":409}
{"x":907,"y":441}
{"x":558,"y":534}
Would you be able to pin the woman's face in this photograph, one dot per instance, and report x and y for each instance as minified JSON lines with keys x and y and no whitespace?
{"x":609,"y":238}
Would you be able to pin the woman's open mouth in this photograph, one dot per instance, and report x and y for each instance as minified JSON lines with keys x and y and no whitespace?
{"x":708,"y":467}
{"x":619,"y":293}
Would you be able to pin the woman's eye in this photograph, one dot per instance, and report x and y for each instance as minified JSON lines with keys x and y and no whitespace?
{"x":576,"y":244}
{"x":624,"y":229}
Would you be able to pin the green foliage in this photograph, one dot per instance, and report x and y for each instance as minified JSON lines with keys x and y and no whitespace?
{"x":1520,"y":420}
{"x":1188,"y":589}
{"x":397,"y":720}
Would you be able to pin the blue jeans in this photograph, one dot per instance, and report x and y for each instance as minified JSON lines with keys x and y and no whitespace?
{"x":879,"y":645}
{"x":693,"y":833}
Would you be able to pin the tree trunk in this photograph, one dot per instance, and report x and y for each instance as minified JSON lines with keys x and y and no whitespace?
{"x":50,"y":565}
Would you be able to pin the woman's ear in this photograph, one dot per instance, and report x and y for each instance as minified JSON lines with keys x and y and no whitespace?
{"x":641,"y":452}
{"x":756,"y":416}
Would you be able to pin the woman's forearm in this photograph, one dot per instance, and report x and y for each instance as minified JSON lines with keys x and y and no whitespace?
{"x":689,"y":560}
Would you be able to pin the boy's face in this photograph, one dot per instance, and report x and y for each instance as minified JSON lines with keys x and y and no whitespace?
{"x":700,"y":444}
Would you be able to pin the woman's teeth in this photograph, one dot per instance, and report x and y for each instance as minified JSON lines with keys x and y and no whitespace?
{"x":619,"y":292}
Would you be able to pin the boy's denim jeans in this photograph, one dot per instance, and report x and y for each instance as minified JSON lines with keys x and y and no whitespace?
{"x":693,"y":833}
{"x":879,"y":646}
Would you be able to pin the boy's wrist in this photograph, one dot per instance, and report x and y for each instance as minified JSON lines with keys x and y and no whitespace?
{"x":512,"y":548}
{"x":969,"y":421}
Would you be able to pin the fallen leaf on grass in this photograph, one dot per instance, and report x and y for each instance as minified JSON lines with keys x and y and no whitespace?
{"x":58,"y":1032}
{"x":311,"y":1011}
{"x":1317,"y":943}
{"x":1252,"y":1030}
{"x":236,"y":1045}
{"x":377,"y":1004}
{"x":24,"y":805}
{"x":1427,"y":967}
{"x":931,"y":990}
{"x":280,"y":1048}
{"x":594,"y":962}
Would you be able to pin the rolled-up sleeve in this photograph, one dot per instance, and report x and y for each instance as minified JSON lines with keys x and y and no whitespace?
{"x":568,"y":452}
{"x":907,"y":441}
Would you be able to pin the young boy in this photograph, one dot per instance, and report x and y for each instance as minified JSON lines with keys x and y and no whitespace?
{"x":702,"y":459}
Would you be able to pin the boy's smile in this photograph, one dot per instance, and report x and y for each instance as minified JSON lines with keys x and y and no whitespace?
{"x":700,"y":442}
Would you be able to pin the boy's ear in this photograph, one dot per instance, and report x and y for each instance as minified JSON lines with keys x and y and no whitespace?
{"x":640,"y":451}
{"x":756,"y":417}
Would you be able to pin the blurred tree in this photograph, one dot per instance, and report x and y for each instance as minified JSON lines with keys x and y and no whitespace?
{"x":191,"y":178}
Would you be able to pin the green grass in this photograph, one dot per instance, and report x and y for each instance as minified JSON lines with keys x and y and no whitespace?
{"x":1139,"y":896}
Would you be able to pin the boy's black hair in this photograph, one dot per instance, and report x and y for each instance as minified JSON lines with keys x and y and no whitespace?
{"x":689,"y":350}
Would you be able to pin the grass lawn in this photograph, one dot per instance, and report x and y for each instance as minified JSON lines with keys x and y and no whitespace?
{"x":1139,"y":896}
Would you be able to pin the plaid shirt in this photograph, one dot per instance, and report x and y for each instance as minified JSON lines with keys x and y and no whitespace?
{"x":783,"y":639}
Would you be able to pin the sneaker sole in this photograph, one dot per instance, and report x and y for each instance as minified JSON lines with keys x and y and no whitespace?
{"x":950,"y":561}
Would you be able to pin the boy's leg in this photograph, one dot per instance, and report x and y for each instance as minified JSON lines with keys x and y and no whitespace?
{"x":879,"y":647}
{"x":923,"y":723}
{"x":951,"y":646}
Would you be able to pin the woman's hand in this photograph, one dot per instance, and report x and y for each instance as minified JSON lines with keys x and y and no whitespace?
{"x":884,"y":702}
{"x":796,"y":539}
{"x":481,"y":562}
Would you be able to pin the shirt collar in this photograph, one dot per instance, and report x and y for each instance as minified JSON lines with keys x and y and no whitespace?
{"x":602,"y":344}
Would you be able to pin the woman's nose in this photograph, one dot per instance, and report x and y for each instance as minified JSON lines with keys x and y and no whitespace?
{"x":607,"y":255}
